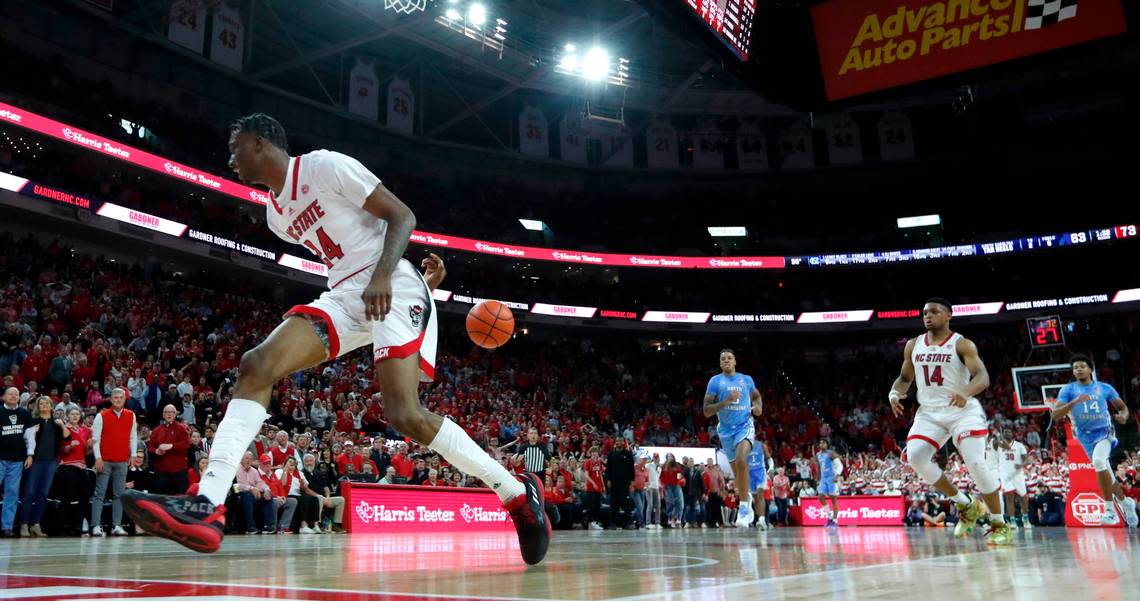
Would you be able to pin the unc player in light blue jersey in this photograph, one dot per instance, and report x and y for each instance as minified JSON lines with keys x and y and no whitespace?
{"x":1085,"y":402}
{"x":827,"y":488}
{"x":734,"y":399}
{"x":758,"y":478}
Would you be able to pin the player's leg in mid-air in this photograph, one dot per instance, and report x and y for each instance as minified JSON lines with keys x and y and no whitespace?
{"x":197,"y":522}
{"x":1099,"y":445}
{"x":738,"y":448}
{"x":523,"y":497}
{"x":931,"y":429}
{"x":404,"y":345}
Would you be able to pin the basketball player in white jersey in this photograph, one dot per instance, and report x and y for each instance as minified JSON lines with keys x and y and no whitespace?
{"x":1011,"y":463}
{"x":334,"y":206}
{"x":949,"y":375}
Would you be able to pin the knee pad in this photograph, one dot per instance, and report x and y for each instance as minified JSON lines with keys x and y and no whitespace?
{"x":920,"y":455}
{"x":973,"y":451}
{"x":1100,"y":456}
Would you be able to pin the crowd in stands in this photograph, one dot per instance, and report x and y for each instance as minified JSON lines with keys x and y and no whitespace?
{"x":79,"y":330}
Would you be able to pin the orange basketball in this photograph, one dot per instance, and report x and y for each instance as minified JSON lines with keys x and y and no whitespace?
{"x":490,"y":324}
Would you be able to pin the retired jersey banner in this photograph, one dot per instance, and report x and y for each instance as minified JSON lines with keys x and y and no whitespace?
{"x":868,"y":45}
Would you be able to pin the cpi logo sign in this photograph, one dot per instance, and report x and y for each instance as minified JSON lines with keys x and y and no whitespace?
{"x":1088,"y":508}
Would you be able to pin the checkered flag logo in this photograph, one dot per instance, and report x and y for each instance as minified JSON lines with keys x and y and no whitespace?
{"x":1043,"y":13}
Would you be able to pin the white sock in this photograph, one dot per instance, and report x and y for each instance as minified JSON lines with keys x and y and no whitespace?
{"x":961,"y":498}
{"x":462,"y":452}
{"x":997,"y":518}
{"x":242,"y":422}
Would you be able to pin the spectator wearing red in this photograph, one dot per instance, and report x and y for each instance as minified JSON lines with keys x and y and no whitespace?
{"x":403,"y":465}
{"x":35,"y":366}
{"x":114,"y":437}
{"x":344,"y":421}
{"x":284,"y":505}
{"x":282,"y":450}
{"x":71,"y":479}
{"x":672,"y":479}
{"x":82,"y":376}
{"x":349,"y":457}
{"x":194,"y":474}
{"x":595,"y":486}
{"x":781,"y":492}
{"x":640,"y":482}
{"x":715,"y":485}
{"x":558,"y":471}
{"x":433,"y":479}
{"x":168,"y":444}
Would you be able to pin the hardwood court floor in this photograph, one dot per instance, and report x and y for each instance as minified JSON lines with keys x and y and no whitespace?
{"x":705,"y":565}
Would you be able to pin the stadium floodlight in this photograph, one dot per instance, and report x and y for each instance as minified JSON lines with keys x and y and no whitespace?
{"x":920,"y":221}
{"x":453,"y":14}
{"x":596,"y":65}
{"x":477,"y":14}
{"x":732,"y":231}
{"x":533,"y":225}
{"x":569,"y":63}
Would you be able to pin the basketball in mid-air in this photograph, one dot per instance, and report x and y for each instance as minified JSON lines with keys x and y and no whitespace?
{"x":490,"y":324}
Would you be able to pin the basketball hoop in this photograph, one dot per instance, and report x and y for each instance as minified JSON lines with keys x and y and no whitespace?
{"x":406,"y":7}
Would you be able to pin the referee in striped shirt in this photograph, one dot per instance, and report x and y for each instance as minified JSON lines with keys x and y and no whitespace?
{"x":535,"y":455}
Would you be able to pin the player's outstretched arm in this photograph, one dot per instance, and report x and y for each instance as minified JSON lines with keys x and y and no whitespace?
{"x":903,"y":382}
{"x":383,"y":204}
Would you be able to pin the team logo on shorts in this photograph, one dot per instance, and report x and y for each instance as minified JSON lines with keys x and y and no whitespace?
{"x":416,"y":313}
{"x":304,"y":188}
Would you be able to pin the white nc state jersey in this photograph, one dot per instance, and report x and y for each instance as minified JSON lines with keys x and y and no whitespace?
{"x":1012,"y":456}
{"x":320,"y":208}
{"x":938,"y":370}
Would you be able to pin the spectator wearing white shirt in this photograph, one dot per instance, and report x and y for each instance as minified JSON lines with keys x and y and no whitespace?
{"x":186,"y":388}
{"x":66,"y":404}
{"x":653,"y":494}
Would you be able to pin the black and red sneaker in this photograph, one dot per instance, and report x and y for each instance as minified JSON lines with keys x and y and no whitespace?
{"x":193,"y":522}
{"x":528,"y":511}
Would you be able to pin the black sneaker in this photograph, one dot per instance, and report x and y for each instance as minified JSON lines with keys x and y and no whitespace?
{"x":193,"y":522}
{"x":528,"y":512}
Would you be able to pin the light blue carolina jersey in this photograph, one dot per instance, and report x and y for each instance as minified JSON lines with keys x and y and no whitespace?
{"x":826,"y":467}
{"x":1091,"y":415}
{"x":739,"y":413}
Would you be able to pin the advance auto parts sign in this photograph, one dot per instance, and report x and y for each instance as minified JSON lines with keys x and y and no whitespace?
{"x":868,"y":45}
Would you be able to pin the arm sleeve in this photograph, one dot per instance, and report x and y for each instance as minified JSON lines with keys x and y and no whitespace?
{"x":96,"y":435}
{"x":30,"y":441}
{"x":134,"y":436}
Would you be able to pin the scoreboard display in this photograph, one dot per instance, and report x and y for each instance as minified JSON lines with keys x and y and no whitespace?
{"x":1045,"y":331}
{"x":730,"y":20}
